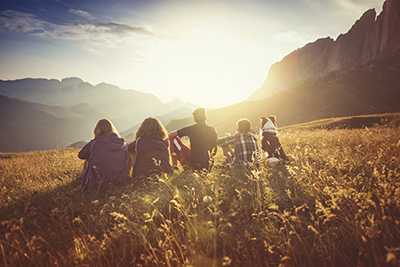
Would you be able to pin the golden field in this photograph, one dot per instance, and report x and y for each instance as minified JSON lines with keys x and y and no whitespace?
{"x":337,"y":203}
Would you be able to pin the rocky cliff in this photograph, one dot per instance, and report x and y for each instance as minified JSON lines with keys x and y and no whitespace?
{"x":370,"y":38}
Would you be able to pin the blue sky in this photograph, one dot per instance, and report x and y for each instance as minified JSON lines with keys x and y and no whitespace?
{"x":211,"y":53}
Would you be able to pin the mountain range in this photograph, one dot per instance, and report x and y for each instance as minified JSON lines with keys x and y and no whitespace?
{"x":371,"y":37}
{"x":356,"y":74}
{"x":42,"y":113}
{"x":31,"y":126}
{"x":124,"y":107}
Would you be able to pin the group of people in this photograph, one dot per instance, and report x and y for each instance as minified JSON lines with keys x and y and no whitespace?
{"x":108,"y":157}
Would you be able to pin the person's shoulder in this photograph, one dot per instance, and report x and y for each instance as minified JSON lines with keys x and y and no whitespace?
{"x":90,"y":143}
{"x":253,"y":136}
{"x":190,"y":126}
{"x":132,"y":146}
{"x":210,"y":128}
{"x":185,"y":130}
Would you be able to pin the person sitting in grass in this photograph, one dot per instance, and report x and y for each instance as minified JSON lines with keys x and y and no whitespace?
{"x":180,"y":153}
{"x":203,"y":141}
{"x":269,"y":139}
{"x":151,"y":148}
{"x":106,"y":157}
{"x":244,"y":143}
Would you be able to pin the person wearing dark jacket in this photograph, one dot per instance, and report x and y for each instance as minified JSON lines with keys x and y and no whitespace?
{"x":106,"y":157}
{"x":203,"y":140}
{"x":269,"y":139}
{"x":151,"y":148}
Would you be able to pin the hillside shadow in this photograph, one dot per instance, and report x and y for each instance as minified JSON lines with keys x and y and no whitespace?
{"x":50,"y":216}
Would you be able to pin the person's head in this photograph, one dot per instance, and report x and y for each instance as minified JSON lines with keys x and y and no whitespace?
{"x":265,"y":119}
{"x":273,"y":119}
{"x":104,"y":127}
{"x":243,"y":126}
{"x":152,"y":128}
{"x":199,"y":115}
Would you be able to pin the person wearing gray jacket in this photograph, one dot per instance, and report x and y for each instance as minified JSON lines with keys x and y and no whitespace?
{"x":106,"y":157}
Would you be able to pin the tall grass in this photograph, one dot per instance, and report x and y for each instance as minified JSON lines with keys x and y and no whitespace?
{"x":337,"y":203}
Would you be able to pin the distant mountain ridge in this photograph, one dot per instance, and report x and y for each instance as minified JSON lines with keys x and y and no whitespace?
{"x":32,"y":126}
{"x":370,"y":38}
{"x":39,"y":114}
{"x":124,"y":107}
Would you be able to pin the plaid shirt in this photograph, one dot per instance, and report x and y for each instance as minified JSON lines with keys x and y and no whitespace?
{"x":246,"y":148}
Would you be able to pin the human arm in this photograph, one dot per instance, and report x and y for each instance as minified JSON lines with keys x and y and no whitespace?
{"x":165,"y":161}
{"x":131,"y":156}
{"x":184,"y":131}
{"x":84,"y":153}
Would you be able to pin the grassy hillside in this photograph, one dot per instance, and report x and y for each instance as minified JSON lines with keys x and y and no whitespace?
{"x":351,"y":122}
{"x":336,"y":204}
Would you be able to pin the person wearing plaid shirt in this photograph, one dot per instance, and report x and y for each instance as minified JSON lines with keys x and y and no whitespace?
{"x":244,"y":143}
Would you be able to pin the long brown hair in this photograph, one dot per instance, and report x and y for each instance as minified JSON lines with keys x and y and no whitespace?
{"x":103,"y":127}
{"x":152,"y":128}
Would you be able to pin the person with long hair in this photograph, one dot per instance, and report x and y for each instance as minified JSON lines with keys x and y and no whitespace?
{"x":106,"y":156}
{"x":151,"y":148}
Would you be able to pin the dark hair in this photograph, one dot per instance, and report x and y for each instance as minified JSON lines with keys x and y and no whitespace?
{"x":152,"y":128}
{"x":273,"y":119}
{"x":199,"y":115}
{"x":243,"y":126}
{"x":263,"y":121}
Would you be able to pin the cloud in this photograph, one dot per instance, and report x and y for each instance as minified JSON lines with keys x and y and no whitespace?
{"x":106,"y":32}
{"x":82,"y":13}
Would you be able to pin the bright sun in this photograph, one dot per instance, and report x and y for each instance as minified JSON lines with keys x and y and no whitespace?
{"x":208,"y":65}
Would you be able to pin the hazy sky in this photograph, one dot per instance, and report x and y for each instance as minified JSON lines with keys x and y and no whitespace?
{"x":210,"y":53}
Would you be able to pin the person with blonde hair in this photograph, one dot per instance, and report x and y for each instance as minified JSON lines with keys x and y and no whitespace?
{"x":151,"y":148}
{"x":105,"y":155}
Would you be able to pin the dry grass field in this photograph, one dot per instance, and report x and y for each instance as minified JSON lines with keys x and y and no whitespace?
{"x":337,"y":203}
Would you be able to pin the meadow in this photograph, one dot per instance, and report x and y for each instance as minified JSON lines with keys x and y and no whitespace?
{"x":337,"y":203}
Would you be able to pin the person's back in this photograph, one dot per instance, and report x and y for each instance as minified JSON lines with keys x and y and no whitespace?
{"x":107,"y":159}
{"x":269,"y":138}
{"x":152,"y":157}
{"x":246,"y":148}
{"x":244,"y":143}
{"x":151,"y":149}
{"x":202,"y":138}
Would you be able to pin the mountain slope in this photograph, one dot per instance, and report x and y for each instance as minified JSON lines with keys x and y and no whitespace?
{"x":370,"y":38}
{"x":124,"y":107}
{"x":373,"y":88}
{"x":357,"y":74}
{"x":30,"y":126}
